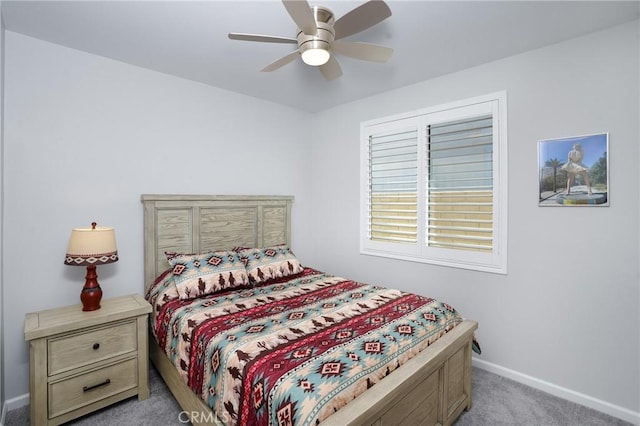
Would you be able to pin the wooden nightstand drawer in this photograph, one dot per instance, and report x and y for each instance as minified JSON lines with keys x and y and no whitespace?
{"x":78,"y":391}
{"x":75,"y":350}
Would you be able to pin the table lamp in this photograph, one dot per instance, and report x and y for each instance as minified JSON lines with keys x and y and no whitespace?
{"x":90,"y":247}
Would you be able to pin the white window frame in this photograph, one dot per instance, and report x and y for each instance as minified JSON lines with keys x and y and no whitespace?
{"x":494,"y":261}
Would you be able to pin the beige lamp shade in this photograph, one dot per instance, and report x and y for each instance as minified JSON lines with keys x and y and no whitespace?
{"x":91,"y":246}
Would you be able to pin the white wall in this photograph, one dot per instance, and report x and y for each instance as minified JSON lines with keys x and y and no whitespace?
{"x":2,"y":322}
{"x":567,"y":313}
{"x":85,"y":136}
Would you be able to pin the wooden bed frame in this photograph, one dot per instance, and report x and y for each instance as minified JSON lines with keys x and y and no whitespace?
{"x":432,"y":388}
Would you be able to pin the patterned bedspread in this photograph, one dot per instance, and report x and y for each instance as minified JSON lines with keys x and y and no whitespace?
{"x":295,"y":350}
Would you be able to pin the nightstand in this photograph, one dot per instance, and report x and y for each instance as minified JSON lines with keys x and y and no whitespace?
{"x":83,"y":361}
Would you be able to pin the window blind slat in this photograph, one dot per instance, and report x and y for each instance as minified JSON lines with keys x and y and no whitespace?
{"x":459,"y":237}
{"x":461,"y":246}
{"x":450,"y":220}
{"x":459,"y":229}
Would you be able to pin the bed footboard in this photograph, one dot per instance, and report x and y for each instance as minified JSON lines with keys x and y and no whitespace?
{"x":433,"y":388}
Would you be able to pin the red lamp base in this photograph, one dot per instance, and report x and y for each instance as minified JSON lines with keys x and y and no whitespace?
{"x":91,"y":292}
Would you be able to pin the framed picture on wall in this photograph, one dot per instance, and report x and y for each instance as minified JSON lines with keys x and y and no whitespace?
{"x":574,"y":171}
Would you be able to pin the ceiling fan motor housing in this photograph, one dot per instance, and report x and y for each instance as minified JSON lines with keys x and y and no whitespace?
{"x":323,"y":38}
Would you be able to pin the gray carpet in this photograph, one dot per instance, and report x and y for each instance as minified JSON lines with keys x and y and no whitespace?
{"x":496,"y":401}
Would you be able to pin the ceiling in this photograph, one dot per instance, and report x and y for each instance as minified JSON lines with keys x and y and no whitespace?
{"x":189,"y":39}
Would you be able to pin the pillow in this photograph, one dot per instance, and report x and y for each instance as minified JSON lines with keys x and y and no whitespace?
{"x":201,"y":274}
{"x":270,"y":262}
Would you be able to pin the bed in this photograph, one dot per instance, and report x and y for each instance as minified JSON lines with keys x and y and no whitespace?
{"x":431,"y":387}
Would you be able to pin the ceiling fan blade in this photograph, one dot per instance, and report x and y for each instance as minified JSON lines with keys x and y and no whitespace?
{"x":302,"y":15}
{"x":331,"y":69}
{"x":263,"y":38}
{"x":282,"y":61}
{"x":361,"y":18}
{"x":363,"y":51}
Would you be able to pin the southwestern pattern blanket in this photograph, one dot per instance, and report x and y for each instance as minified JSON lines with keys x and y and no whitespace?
{"x":294,"y":350}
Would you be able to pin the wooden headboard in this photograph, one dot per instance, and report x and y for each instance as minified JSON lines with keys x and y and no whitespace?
{"x":198,"y":223}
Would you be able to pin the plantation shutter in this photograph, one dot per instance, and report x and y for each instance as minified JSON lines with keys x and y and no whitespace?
{"x":433,"y":185}
{"x":460,"y":184}
{"x":393,"y":187}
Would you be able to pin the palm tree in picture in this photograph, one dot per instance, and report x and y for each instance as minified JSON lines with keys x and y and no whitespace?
{"x":553,"y":163}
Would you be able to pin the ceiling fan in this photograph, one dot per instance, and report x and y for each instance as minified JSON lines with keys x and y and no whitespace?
{"x":318,"y":34}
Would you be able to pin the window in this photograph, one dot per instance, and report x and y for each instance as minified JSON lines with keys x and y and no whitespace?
{"x":434,"y":185}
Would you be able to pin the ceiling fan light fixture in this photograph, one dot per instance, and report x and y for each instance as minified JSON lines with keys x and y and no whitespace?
{"x":317,"y":29}
{"x":315,"y":57}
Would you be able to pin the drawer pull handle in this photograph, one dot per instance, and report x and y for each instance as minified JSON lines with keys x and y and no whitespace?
{"x":96,"y":346}
{"x":88,"y":388}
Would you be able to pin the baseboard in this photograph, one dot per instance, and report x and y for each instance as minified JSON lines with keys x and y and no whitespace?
{"x":14,"y":403}
{"x":579,"y":398}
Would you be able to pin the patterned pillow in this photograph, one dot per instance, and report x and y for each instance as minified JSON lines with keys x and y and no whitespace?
{"x":207,"y":273}
{"x":270,"y":262}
